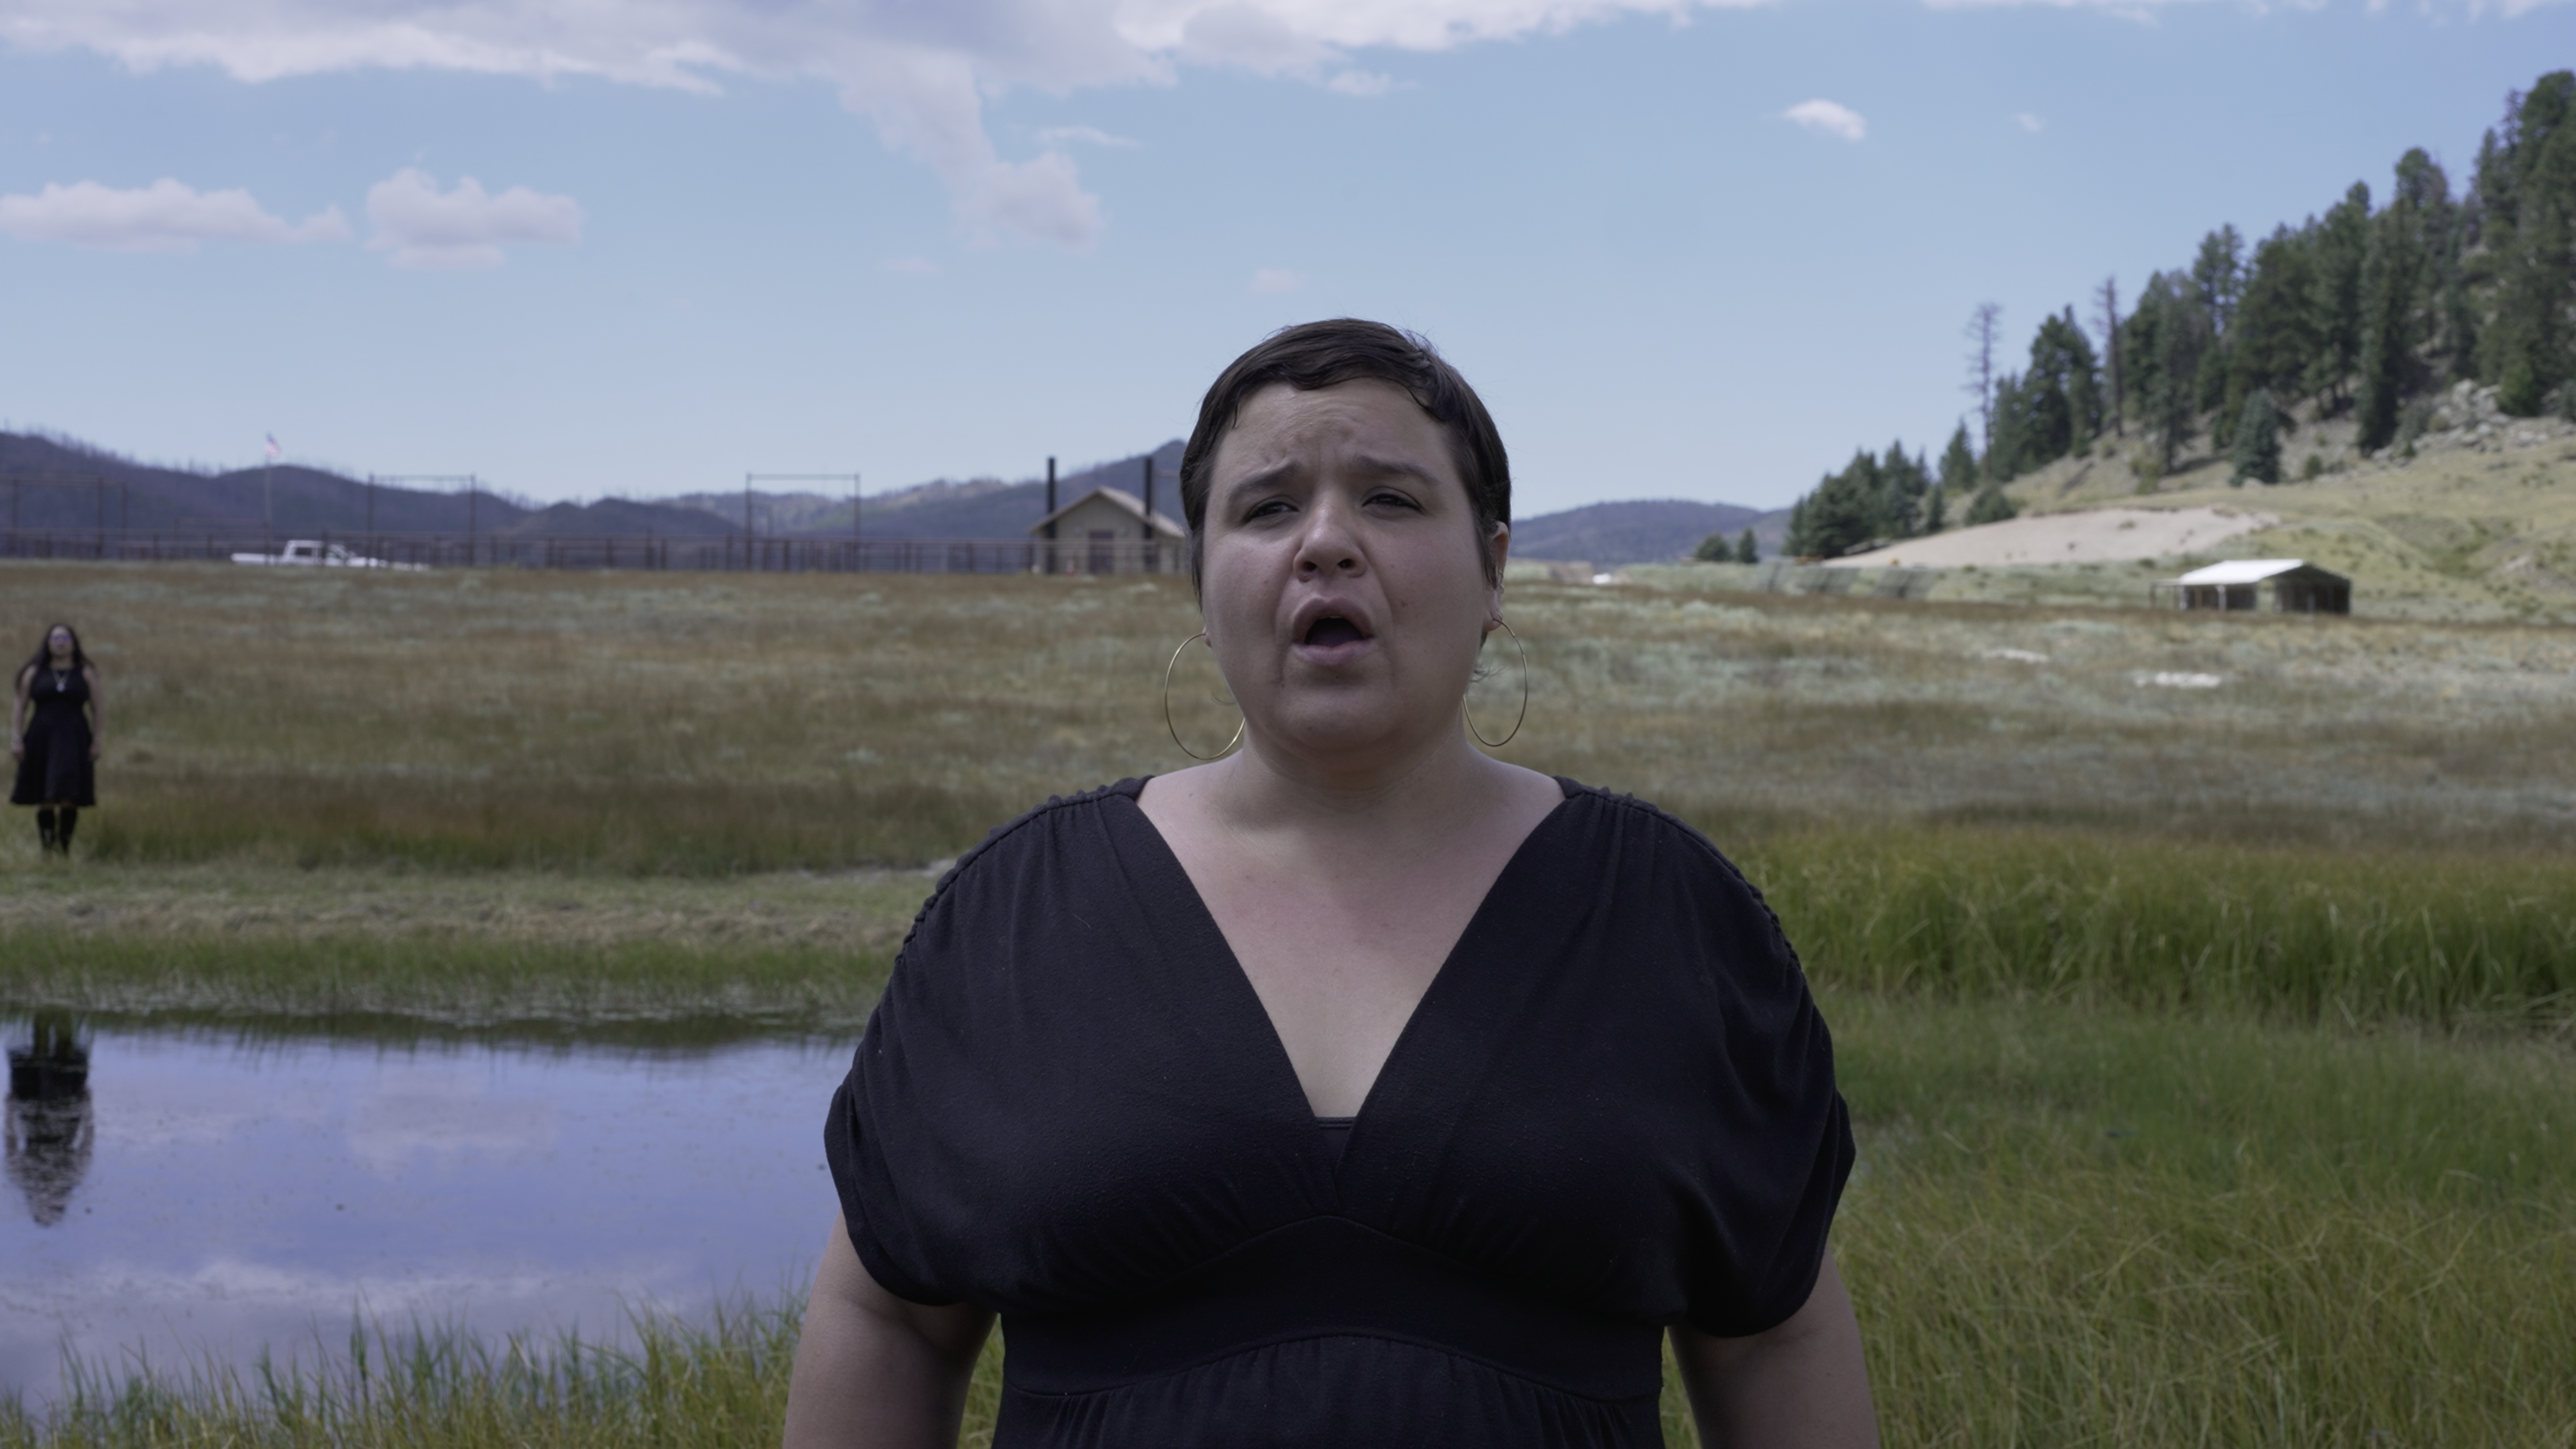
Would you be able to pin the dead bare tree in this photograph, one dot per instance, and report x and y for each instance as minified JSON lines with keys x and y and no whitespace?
{"x":2107,"y":297}
{"x":1983,"y":328}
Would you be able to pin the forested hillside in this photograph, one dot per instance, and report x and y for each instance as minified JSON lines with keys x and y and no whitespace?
{"x":2364,"y":313}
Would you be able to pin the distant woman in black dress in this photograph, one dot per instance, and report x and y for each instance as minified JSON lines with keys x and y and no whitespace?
{"x":54,"y":729}
{"x":1358,"y":1088}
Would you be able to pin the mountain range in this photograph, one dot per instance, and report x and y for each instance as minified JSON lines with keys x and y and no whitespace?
{"x":58,"y":485}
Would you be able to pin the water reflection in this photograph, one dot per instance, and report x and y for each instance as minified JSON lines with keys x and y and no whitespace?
{"x":197,"y":1191}
{"x":48,"y":1132}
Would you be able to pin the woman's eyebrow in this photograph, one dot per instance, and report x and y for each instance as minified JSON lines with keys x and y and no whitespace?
{"x":1259,"y":479}
{"x":1370,"y":464}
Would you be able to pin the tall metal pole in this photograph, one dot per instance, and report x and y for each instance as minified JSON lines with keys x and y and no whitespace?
{"x":267,"y":505}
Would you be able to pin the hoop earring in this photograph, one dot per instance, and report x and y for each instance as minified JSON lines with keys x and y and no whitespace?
{"x":1516,"y":719}
{"x":1167,"y":706}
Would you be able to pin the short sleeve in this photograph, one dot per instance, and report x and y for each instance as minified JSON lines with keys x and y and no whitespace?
{"x":868,"y":1202}
{"x":1789,"y":1148}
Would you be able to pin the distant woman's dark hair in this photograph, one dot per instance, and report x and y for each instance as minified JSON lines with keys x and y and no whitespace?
{"x":1315,"y":355}
{"x":43,"y":658}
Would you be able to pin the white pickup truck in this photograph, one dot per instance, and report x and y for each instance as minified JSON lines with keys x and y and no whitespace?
{"x":313,"y":553}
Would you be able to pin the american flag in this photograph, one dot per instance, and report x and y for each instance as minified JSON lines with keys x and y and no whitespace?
{"x":272,"y":447}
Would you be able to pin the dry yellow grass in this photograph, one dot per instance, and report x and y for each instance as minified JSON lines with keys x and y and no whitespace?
{"x":676,"y":723}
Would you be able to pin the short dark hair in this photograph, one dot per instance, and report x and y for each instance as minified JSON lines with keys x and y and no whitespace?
{"x":1314,"y":355}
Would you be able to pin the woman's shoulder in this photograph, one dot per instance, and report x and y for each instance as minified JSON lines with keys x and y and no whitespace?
{"x":1068,"y":832}
{"x":1656,"y":865}
{"x":1603,"y":811}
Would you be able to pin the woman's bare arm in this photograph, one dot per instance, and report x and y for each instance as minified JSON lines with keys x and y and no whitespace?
{"x":1801,"y":1385}
{"x":97,"y":715}
{"x":874,"y":1371}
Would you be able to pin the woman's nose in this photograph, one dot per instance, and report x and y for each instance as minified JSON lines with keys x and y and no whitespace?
{"x":1327,"y":546}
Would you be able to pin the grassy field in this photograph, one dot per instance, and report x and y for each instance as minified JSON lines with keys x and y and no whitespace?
{"x":2213,"y":1051}
{"x":713,"y":725}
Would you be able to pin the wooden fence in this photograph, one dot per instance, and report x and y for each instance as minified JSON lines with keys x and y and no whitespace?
{"x":637,"y":552}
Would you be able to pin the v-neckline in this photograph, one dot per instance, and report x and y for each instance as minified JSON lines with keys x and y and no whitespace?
{"x":1237,"y":982}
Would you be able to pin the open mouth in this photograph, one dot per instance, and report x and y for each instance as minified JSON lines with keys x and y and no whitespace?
{"x":1333,"y":629}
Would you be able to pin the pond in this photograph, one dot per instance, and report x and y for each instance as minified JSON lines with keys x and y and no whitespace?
{"x":185,"y":1193}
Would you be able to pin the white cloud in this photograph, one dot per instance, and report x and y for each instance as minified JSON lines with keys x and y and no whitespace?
{"x":921,"y":72}
{"x":162,"y":217}
{"x":455,"y":230}
{"x":1272,"y":280}
{"x":1828,"y":119}
{"x":911,"y":266}
{"x":2029,"y":122}
{"x":1055,"y":136}
{"x":1361,"y":83}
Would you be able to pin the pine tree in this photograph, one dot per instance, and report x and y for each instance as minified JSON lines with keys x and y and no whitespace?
{"x":2004,"y":431}
{"x":2342,"y":249}
{"x":1990,"y":506}
{"x":2275,"y":338}
{"x":1959,"y":465}
{"x":2528,"y":187}
{"x":2397,"y":295}
{"x":2258,"y":441}
{"x":2165,"y":340}
{"x":2060,"y":398}
{"x":1902,"y":482}
{"x":1746,"y":550}
{"x":1794,"y":543}
{"x":1843,"y":514}
{"x":1936,"y":509}
{"x":1714,"y":549}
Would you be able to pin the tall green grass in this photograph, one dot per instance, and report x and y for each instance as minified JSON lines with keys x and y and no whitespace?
{"x":489,"y":986}
{"x":1954,"y":913}
{"x":676,"y":1384}
{"x":2293,"y":934}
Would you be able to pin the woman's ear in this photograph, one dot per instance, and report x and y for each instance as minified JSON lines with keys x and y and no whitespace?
{"x":1499,"y":549}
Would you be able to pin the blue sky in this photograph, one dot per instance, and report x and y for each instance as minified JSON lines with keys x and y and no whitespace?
{"x":923,"y":240}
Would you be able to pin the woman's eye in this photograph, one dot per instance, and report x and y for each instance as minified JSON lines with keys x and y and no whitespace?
{"x":1396,"y":500}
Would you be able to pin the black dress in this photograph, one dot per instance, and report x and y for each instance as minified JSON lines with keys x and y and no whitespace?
{"x":56,"y":770}
{"x":1613,"y":1110}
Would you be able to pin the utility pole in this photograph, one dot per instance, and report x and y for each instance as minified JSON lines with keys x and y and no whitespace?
{"x":1050,"y":515}
{"x":1149,"y":497}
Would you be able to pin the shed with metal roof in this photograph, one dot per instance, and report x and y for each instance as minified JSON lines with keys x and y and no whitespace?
{"x":2280,"y":585}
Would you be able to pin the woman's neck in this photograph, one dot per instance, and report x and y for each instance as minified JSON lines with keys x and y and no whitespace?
{"x":1423,"y":790}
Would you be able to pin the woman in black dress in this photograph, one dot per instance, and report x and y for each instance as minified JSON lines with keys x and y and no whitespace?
{"x":54,"y":730}
{"x":1355,"y":1089}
